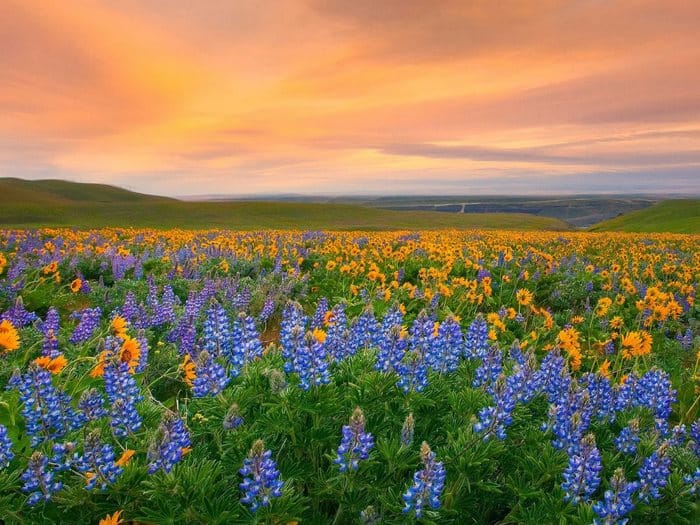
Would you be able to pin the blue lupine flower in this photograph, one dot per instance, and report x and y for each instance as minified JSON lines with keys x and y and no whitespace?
{"x":62,"y":458}
{"x":653,"y":475}
{"x":413,"y":372}
{"x":685,"y":339}
{"x":216,"y":332}
{"x":677,"y":437}
{"x":131,"y":310}
{"x":338,"y":337}
{"x":391,"y":350}
{"x":448,"y":346}
{"x":356,"y":443}
{"x":694,"y":442}
{"x":6,"y":453}
{"x":628,"y":439}
{"x":553,"y":376}
{"x":320,"y":313}
{"x":97,"y":463}
{"x":89,"y":320}
{"x":292,"y":330}
{"x":171,"y":442}
{"x":91,"y":404}
{"x":477,"y":343}
{"x":408,"y":429}
{"x":261,"y":480}
{"x":46,"y":410}
{"x":365,"y":331}
{"x":493,"y":420}
{"x":654,"y":391}
{"x":600,"y":394}
{"x":693,"y":480}
{"x":211,"y":377}
{"x":245,"y":344}
{"x":617,"y":502}
{"x":311,"y":363}
{"x":38,"y":479}
{"x":582,"y":475}
{"x":123,"y":394}
{"x":427,"y":484}
{"x":489,"y":370}
{"x":143,"y":349}
{"x":232,"y":419}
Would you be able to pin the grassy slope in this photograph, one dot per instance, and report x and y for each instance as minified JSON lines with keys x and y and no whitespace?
{"x":59,"y":203}
{"x":677,"y":216}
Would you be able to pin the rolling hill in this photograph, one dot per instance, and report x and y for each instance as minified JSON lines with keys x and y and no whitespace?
{"x":60,"y":203}
{"x":674,"y":216}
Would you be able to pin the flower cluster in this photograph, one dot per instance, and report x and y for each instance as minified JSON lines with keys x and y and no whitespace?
{"x":172,"y":442}
{"x":356,"y":443}
{"x":427,"y":484}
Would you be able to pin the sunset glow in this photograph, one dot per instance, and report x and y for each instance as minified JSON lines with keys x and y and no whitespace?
{"x":310,"y":96}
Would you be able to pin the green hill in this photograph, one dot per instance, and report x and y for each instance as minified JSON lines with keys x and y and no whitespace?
{"x":674,"y":216}
{"x":59,"y":203}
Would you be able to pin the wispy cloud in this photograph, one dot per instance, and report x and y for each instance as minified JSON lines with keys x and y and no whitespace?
{"x":330,"y":95}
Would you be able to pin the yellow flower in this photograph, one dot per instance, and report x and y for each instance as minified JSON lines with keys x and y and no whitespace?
{"x":604,"y":369}
{"x":75,"y":285}
{"x":119,"y":326}
{"x":114,"y":519}
{"x":130,"y":353}
{"x":188,"y":367}
{"x":319,"y":335}
{"x":524,"y":297}
{"x":636,"y":344}
{"x":330,"y":266}
{"x":125,"y":458}
{"x":9,"y":338}
{"x":54,"y":365}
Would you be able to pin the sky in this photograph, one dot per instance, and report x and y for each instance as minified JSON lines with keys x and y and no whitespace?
{"x":244,"y":97}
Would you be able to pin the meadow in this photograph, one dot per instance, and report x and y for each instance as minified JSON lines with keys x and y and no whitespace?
{"x":316,"y":377}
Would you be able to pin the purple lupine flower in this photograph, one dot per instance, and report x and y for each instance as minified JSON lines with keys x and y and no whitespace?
{"x":292,"y":329}
{"x":654,"y":473}
{"x":97,"y":463}
{"x":261,"y":480}
{"x":170,"y":444}
{"x":211,"y":377}
{"x":356,"y":443}
{"x":267,"y":310}
{"x":582,"y":475}
{"x":427,"y":484}
{"x":6,"y":453}
{"x":617,"y":500}
{"x":628,"y":439}
{"x":89,"y":321}
{"x":694,"y":438}
{"x":123,"y":394}
{"x":320,"y":313}
{"x":18,"y":315}
{"x":39,"y":480}
{"x":693,"y":480}
{"x":338,"y":337}
{"x":49,"y":329}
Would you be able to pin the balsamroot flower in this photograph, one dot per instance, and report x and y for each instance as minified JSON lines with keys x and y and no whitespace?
{"x":9,"y":338}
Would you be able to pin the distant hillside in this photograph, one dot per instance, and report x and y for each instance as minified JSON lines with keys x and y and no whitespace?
{"x":61,"y":191}
{"x":59,"y":203}
{"x":676,"y":216}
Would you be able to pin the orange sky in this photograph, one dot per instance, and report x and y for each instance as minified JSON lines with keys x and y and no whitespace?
{"x":400,"y":96}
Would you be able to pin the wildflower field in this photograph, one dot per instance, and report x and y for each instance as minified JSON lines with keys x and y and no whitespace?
{"x":349,"y":377}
